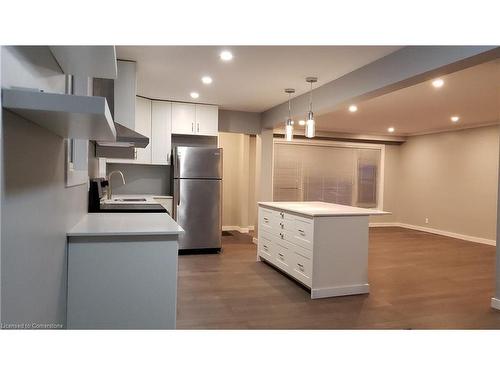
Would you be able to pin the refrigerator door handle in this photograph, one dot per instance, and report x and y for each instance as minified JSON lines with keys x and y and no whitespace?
{"x":178,"y":182}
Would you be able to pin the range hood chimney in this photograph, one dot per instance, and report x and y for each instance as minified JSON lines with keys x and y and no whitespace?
{"x":126,"y":138}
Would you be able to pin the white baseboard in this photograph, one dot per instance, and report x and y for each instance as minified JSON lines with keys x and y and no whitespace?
{"x":459,"y":236}
{"x":495,"y":303}
{"x":378,"y":225}
{"x":237,"y":228}
{"x":336,"y":291}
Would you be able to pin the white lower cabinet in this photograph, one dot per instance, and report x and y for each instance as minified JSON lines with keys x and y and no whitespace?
{"x":329,"y":255}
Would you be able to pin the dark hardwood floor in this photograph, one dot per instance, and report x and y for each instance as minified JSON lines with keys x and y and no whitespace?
{"x":418,"y":281}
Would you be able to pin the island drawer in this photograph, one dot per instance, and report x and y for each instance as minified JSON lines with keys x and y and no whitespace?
{"x":286,"y":224}
{"x":301,"y":268}
{"x":303,"y":232}
{"x":283,"y":256}
{"x":266,"y":248}
{"x":267,"y":219}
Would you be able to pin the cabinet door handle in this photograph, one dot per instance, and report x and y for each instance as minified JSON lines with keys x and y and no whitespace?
{"x":302,"y":232}
{"x":135,"y":154}
{"x":192,"y":127}
{"x":198,"y":127}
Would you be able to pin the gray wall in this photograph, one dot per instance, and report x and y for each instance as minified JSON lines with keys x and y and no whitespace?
{"x":239,"y":122}
{"x":141,"y":179}
{"x":450,"y":178}
{"x":37,"y":208}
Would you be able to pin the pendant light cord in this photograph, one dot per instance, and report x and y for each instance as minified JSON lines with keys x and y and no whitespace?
{"x":311,"y":97}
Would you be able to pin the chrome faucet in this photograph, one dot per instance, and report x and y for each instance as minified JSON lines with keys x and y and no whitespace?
{"x":110,"y":190}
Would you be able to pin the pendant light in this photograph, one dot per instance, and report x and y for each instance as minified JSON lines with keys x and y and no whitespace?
{"x":289,"y":121}
{"x":310,"y":123}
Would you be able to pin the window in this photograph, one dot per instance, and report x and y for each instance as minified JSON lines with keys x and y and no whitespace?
{"x":335,"y":172}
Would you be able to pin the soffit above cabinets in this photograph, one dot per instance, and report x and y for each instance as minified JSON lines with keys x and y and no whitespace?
{"x":86,"y":61}
{"x":69,"y":116}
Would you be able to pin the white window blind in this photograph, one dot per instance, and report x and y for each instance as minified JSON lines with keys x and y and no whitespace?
{"x":334,"y":173}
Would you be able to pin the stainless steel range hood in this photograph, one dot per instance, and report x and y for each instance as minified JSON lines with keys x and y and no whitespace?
{"x":127,"y":139}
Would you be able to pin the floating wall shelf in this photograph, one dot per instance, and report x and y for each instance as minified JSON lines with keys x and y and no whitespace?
{"x":70,"y":116}
{"x":87,"y":61}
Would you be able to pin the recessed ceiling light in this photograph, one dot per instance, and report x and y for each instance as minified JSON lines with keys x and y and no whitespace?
{"x":353,"y":108}
{"x":206,"y":80}
{"x":454,"y":118}
{"x":302,"y":122}
{"x":226,"y":56}
{"x":437,"y":83}
{"x":390,"y":130}
{"x":195,"y":95}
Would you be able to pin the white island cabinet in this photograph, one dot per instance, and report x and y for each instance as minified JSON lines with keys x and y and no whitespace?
{"x":324,"y":246}
{"x":122,"y":271}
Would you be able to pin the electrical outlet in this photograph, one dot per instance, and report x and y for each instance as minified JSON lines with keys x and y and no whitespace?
{"x":426,"y":220}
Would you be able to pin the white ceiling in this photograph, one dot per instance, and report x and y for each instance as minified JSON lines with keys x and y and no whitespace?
{"x":253,"y":81}
{"x":473,"y":94}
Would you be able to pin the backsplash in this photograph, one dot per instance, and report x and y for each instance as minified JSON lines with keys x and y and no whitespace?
{"x":141,"y":179}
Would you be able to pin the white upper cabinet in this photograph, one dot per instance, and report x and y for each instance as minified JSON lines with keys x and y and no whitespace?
{"x":207,"y":119}
{"x":195,"y":119}
{"x":183,"y":118}
{"x":143,"y":126}
{"x":161,"y":129}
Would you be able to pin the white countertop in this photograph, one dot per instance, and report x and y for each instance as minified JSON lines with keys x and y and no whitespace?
{"x":322,"y":209}
{"x":149,"y":199}
{"x":125,"y":224}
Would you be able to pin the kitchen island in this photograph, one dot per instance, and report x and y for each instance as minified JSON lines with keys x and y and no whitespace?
{"x":122,"y":271}
{"x":323,"y":246}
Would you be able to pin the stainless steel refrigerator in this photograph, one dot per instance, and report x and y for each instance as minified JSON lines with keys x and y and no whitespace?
{"x":198,"y":196}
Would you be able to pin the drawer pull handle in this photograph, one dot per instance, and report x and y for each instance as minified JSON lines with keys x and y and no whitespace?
{"x":282,"y":215}
{"x":282,"y":236}
{"x":302,"y":232}
{"x":282,"y":226}
{"x":281,"y":255}
{"x":265,"y":247}
{"x":266,"y":220}
{"x":300,"y":265}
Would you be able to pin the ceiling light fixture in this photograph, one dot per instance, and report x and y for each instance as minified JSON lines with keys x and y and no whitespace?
{"x":195,"y":95}
{"x":454,"y":118}
{"x":310,"y":123}
{"x":289,"y":121}
{"x":390,"y":130}
{"x":302,"y":122}
{"x":206,"y":80}
{"x":353,"y":108}
{"x":437,"y":83}
{"x":226,"y":56}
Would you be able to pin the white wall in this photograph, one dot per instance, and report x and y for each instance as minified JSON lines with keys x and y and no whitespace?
{"x":37,"y":208}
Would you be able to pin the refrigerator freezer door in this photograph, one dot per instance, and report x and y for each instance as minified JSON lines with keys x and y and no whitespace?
{"x":198,"y":162}
{"x":198,"y":211}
